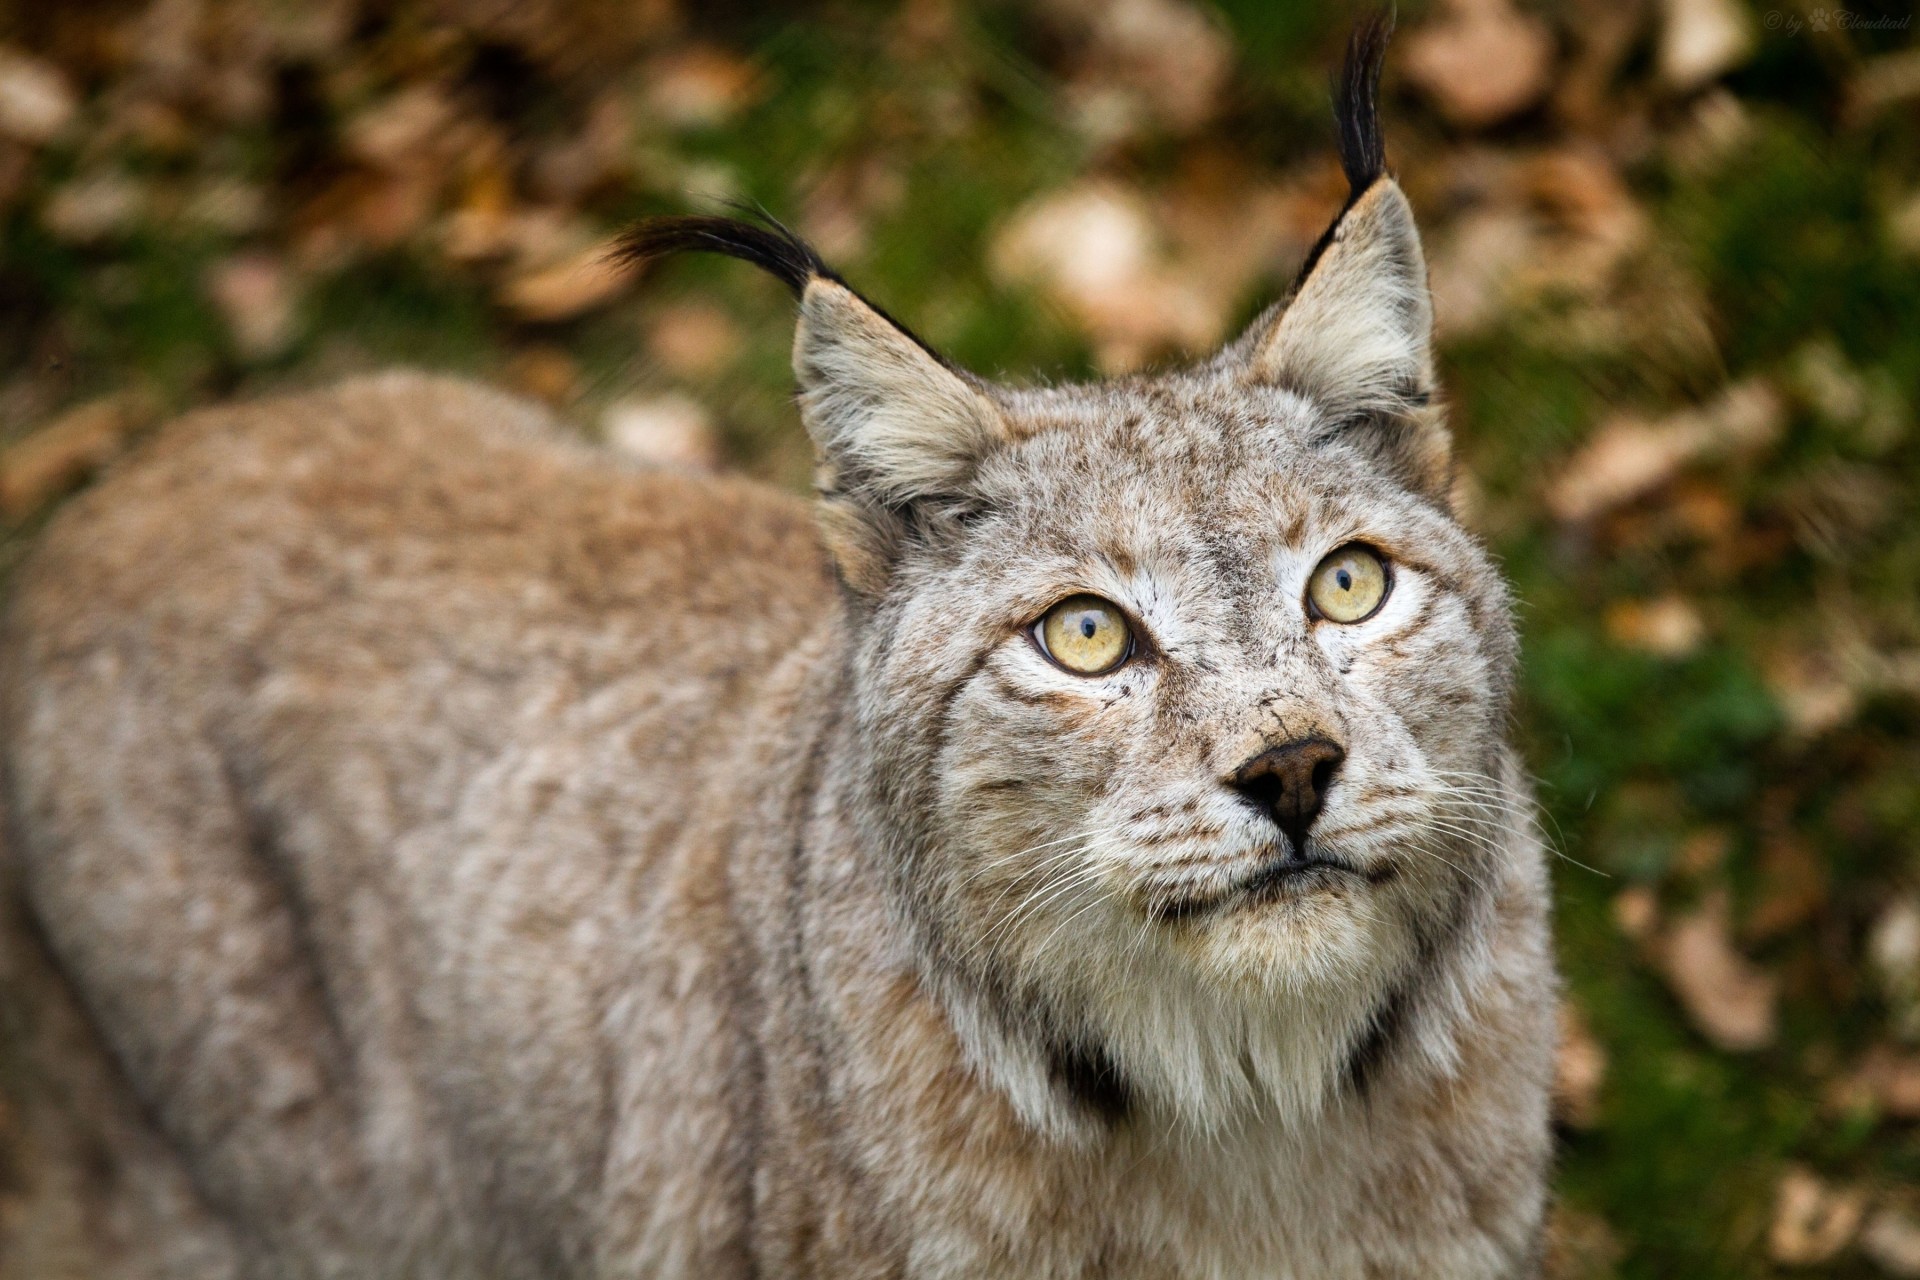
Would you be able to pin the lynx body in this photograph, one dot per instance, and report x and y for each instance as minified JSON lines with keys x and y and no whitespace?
{"x":436,"y":848}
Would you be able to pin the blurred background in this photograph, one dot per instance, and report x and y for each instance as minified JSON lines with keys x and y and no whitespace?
{"x":1676,"y":256}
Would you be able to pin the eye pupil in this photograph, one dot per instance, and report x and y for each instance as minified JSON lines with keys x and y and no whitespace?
{"x":1088,"y":626}
{"x":1345,"y":579}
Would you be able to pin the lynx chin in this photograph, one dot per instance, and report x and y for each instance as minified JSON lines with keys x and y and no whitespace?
{"x":1082,"y":842}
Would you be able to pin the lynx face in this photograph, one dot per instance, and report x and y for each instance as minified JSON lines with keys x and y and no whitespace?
{"x":1257,"y":807}
{"x":1181,"y":697}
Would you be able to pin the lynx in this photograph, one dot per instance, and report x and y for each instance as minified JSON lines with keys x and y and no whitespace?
{"x":1083,"y":842}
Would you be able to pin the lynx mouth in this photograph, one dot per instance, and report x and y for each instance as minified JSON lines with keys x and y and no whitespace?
{"x":1283,"y":875}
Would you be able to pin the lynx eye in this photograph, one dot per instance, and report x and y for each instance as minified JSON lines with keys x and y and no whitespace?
{"x":1085,"y":634}
{"x":1350,"y":585}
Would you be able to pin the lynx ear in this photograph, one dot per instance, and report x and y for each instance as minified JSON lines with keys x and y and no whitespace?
{"x":893,"y":423}
{"x":891,"y":419}
{"x":1355,"y":335}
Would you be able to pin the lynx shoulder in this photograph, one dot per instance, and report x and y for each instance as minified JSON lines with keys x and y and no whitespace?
{"x":1082,"y":842}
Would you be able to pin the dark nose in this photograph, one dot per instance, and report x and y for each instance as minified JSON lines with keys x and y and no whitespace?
{"x":1290,"y":782}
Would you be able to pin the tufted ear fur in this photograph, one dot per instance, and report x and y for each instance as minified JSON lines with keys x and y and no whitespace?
{"x":1355,"y":334}
{"x":893,"y":424}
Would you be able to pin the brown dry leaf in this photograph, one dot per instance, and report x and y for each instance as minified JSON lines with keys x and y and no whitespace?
{"x":1718,"y":128}
{"x":255,"y":296}
{"x":693,"y":339}
{"x":36,"y":102}
{"x":1884,"y":81}
{"x":1555,"y":222}
{"x":1701,"y":40}
{"x":1579,"y":1071}
{"x":545,"y":372}
{"x":1475,"y":264}
{"x":594,"y":157}
{"x":1667,"y":626}
{"x":670,"y":430}
{"x":402,"y":131}
{"x":1095,"y":248}
{"x":1704,"y":852}
{"x":1584,"y":194}
{"x":1580,"y":1246}
{"x":1893,"y":951}
{"x":1601,"y":33}
{"x":1891,"y":1239}
{"x":1793,"y":889}
{"x":700,"y":86}
{"x":1812,"y":1221}
{"x":95,"y":207}
{"x":842,"y":204}
{"x":1628,"y":457}
{"x":588,"y":279}
{"x":1811,"y":691}
{"x":1636,"y":912}
{"x":37,"y":468}
{"x":1886,"y":1080}
{"x":1903,"y":224}
{"x":1729,"y":1000}
{"x":1160,"y":60}
{"x":1481,"y":61}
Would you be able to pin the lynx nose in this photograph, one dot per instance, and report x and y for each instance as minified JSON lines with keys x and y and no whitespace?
{"x":1289,"y":782}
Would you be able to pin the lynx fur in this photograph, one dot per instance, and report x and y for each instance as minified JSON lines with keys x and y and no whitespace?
{"x":437,"y":848}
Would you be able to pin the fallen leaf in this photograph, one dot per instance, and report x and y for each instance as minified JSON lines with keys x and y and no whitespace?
{"x":35,"y":469}
{"x":693,"y":339}
{"x":1628,"y":457}
{"x":1636,"y":912}
{"x":1702,"y":40}
{"x":1667,"y":626}
{"x":1811,"y":691}
{"x":1095,"y":248}
{"x":1476,"y":264}
{"x":95,"y":207}
{"x":596,"y":156}
{"x":1729,"y":1000}
{"x":1891,"y":1239}
{"x":1903,"y":224}
{"x":1893,"y":950}
{"x":671,"y":430}
{"x":1602,"y":33}
{"x":590,"y":278}
{"x":1884,"y":81}
{"x":1717,"y":129}
{"x":1792,"y":890}
{"x":1165,"y":61}
{"x":36,"y":102}
{"x":255,"y":296}
{"x":1579,"y":1070}
{"x":545,"y":372}
{"x":699,"y":86}
{"x":1812,"y":1222}
{"x":1580,"y":1245}
{"x":229,"y":207}
{"x":1886,"y":1080}
{"x":1481,"y":61}
{"x":397,"y":133}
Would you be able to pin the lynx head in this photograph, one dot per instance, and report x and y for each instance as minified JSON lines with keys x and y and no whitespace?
{"x":1179,"y":698}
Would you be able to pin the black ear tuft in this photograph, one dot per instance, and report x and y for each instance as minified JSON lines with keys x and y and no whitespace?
{"x":765,"y":243}
{"x":1356,"y":104}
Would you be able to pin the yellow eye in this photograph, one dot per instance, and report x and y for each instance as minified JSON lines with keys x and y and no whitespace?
{"x":1086,"y":635}
{"x":1349,"y":585}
